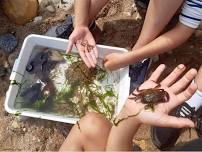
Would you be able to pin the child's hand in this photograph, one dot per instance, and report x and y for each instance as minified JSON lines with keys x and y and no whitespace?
{"x":179,"y":91}
{"x":83,"y":35}
{"x":115,"y":61}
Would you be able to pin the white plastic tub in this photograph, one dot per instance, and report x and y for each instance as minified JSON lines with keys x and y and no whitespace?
{"x":60,"y":44}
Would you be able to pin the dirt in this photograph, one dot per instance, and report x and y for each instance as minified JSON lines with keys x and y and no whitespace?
{"x":118,"y":25}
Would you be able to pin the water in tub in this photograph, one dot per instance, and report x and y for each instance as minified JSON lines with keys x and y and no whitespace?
{"x":61,"y":84}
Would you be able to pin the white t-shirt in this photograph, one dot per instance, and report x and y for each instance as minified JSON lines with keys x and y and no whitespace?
{"x":191,"y":14}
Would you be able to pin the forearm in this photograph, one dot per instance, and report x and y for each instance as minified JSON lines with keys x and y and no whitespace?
{"x":159,"y":13}
{"x":82,"y":12}
{"x":121,"y":136}
{"x":163,"y":43}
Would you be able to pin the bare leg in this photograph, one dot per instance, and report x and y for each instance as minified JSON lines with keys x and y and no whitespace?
{"x":158,"y":15}
{"x":93,"y":134}
{"x":95,"y":7}
{"x":86,"y":10}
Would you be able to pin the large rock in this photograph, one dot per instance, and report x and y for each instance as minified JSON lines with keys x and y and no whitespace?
{"x":20,"y":11}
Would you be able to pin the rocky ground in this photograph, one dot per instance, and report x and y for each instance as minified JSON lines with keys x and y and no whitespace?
{"x":118,"y":25}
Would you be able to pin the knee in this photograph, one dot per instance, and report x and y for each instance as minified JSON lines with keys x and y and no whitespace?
{"x":94,"y":125}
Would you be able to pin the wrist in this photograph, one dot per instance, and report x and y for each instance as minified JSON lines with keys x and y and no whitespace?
{"x":130,"y":113}
{"x":126,"y":59}
{"x":79,"y":26}
{"x":131,"y":57}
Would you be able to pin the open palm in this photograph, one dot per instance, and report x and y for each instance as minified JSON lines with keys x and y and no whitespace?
{"x":79,"y":35}
{"x":179,"y":91}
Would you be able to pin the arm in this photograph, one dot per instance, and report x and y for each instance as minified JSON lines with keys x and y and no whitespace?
{"x":158,"y":15}
{"x":82,"y":13}
{"x":85,"y":12}
{"x":179,"y":90}
{"x":161,"y":44}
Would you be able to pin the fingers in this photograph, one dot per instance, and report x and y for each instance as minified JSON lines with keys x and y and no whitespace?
{"x":95,"y":50}
{"x":70,"y":45}
{"x":184,"y":81}
{"x":157,"y":73}
{"x":90,"y":59}
{"x":185,"y":95}
{"x":172,"y":77}
{"x":83,"y":55}
{"x":105,"y":60}
{"x":87,"y":53}
{"x":175,"y":122}
{"x":94,"y":58}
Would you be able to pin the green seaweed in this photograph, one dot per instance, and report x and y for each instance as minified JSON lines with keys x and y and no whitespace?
{"x":96,"y":98}
{"x":17,"y":113}
{"x":67,"y":93}
{"x":39,"y":104}
{"x":89,"y":94}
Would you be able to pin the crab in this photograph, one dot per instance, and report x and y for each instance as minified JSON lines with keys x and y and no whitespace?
{"x":86,"y":45}
{"x":151,"y":96}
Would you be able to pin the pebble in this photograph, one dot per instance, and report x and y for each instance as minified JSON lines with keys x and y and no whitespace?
{"x":127,"y":13}
{"x":66,"y":5}
{"x":49,"y":5}
{"x":8,"y":42}
{"x":38,"y":19}
{"x":134,"y":7}
{"x":51,"y":9}
{"x":24,"y":129}
{"x":53,"y":5}
{"x":15,"y":125}
{"x":141,"y":143}
{"x":138,"y":17}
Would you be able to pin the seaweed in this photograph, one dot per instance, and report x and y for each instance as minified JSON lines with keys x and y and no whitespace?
{"x":17,"y":113}
{"x":79,"y":74}
{"x":39,"y":104}
{"x":66,"y":93}
{"x":80,"y":93}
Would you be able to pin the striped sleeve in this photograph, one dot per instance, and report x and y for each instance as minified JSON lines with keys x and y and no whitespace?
{"x":191,"y":14}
